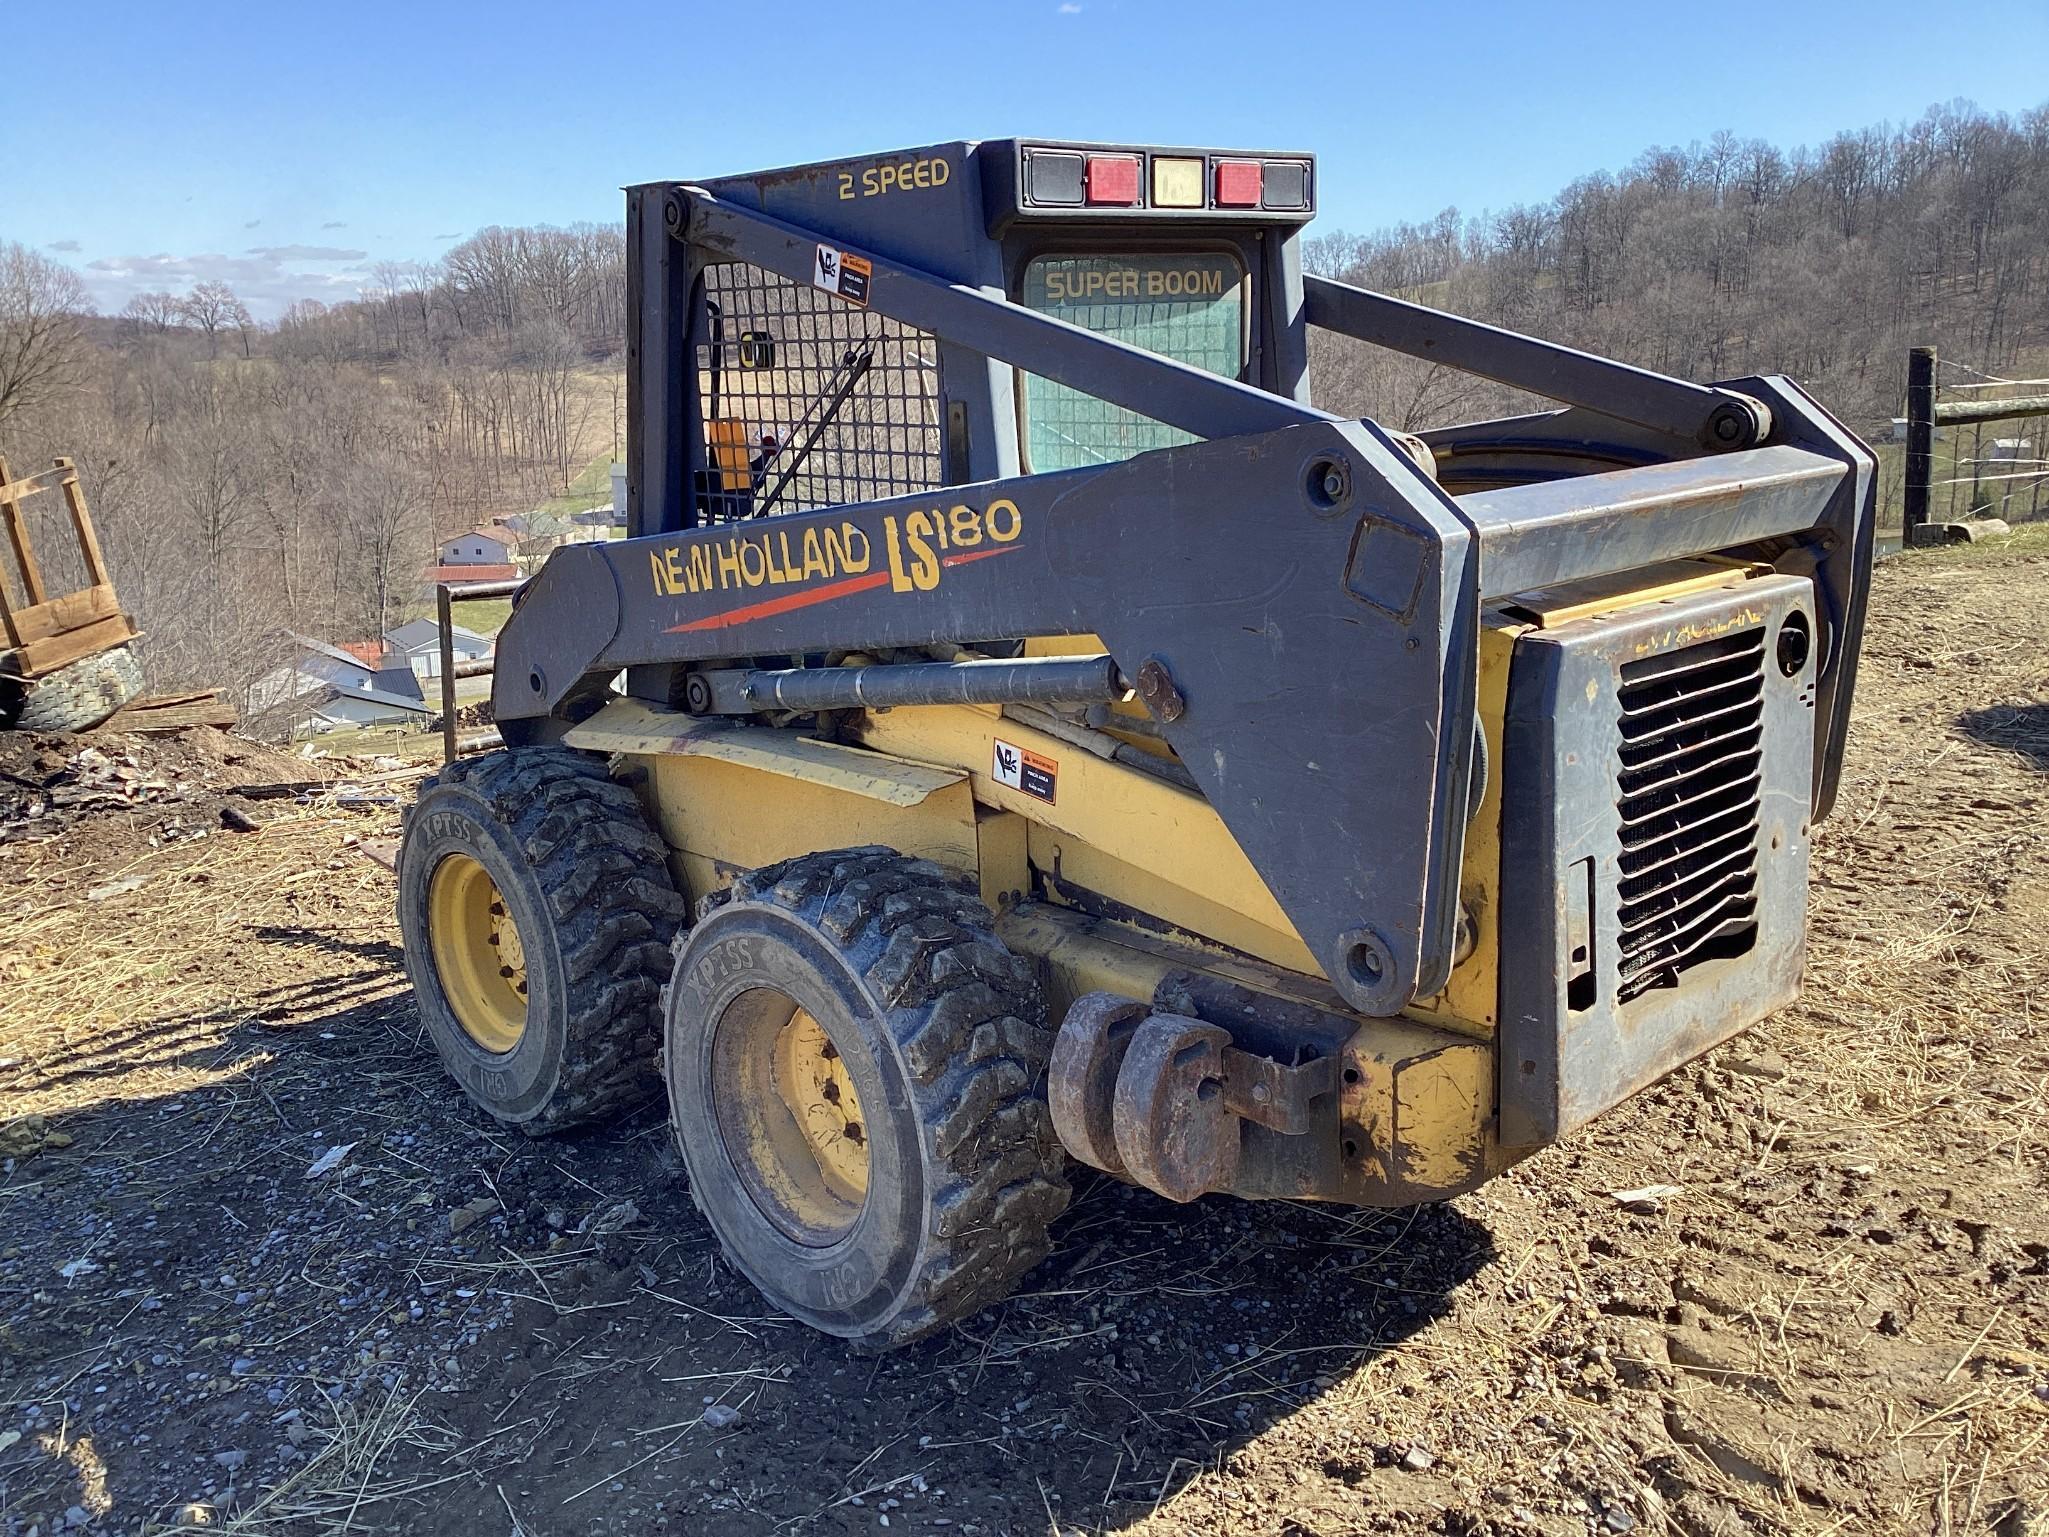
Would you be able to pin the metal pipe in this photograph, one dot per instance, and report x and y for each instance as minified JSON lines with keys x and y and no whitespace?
{"x":481,"y":667}
{"x":2014,"y":406}
{"x":1036,"y":680}
{"x":445,"y":615}
{"x":1103,"y":745}
{"x":463,"y":592}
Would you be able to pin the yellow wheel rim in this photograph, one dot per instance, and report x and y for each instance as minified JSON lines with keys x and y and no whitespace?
{"x":477,"y":953}
{"x":812,"y":1082}
{"x":790,"y":1117}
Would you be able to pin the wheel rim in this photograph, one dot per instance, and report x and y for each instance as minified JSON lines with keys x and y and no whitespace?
{"x":478,"y":954}
{"x":793,"y":1124}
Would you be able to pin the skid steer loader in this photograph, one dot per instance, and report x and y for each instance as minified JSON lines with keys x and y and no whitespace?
{"x":1021,"y":727}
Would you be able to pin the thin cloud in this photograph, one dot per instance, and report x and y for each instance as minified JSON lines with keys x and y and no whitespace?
{"x":336,"y":224}
{"x":1069,"y":8}
{"x":66,"y":246}
{"x":456,"y":236}
{"x":307,"y":253}
{"x":263,"y":279}
{"x":252,"y":224}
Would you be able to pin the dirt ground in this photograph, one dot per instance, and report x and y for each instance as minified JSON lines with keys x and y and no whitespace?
{"x":262,"y":1267}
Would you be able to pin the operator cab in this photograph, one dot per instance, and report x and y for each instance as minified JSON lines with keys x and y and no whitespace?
{"x":807,"y":398}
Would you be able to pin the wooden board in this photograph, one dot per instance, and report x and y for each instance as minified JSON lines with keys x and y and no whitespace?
{"x":172,"y":712}
{"x":66,"y":613}
{"x":36,"y":657}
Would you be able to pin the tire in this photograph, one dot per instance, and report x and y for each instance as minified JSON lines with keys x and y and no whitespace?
{"x":939,"y":1034}
{"x":583,"y":882}
{"x":80,"y":696}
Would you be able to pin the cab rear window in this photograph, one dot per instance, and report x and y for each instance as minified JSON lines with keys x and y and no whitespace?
{"x":1189,"y":307}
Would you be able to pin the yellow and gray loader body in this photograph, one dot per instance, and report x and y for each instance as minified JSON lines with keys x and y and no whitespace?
{"x":1020,"y":728}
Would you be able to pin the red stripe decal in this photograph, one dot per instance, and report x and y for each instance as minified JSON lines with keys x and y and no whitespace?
{"x":962,"y":560}
{"x":784,"y":604}
{"x":796,"y":600}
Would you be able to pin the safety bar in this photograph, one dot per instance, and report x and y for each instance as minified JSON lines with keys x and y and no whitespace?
{"x":1717,"y":419}
{"x":446,"y":596}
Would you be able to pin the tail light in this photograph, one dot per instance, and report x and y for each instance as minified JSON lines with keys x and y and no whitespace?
{"x":1238,"y":183}
{"x":1113,"y":180}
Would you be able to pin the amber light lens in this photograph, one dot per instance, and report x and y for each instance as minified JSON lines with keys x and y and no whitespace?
{"x":1177,"y":183}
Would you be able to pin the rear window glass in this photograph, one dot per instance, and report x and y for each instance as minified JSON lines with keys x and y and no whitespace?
{"x":1189,"y":307}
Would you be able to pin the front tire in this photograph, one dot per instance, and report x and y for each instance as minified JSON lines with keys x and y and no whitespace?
{"x":856,"y":1071}
{"x":537,"y":911}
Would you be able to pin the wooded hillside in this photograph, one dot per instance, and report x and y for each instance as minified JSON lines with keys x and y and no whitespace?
{"x":1737,"y":257}
{"x":253,"y":478}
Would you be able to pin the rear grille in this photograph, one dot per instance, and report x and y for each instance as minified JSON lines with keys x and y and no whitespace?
{"x":1688,"y":791}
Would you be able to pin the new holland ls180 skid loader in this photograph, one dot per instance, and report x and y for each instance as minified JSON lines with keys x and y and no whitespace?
{"x":1020,"y":727}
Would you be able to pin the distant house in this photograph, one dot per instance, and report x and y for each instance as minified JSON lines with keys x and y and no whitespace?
{"x":478,"y":547}
{"x":417,"y":645}
{"x":313,"y":664}
{"x":339,"y":704}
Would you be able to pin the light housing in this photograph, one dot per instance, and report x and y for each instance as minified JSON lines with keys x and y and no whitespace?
{"x":1113,"y":181}
{"x":1285,"y":185}
{"x":1238,"y":183}
{"x":1054,"y":177}
{"x":1177,"y":181}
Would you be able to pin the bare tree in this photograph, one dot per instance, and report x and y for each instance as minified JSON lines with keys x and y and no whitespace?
{"x":213,"y":307}
{"x":386,"y":537}
{"x":42,"y":343}
{"x":155,"y":311}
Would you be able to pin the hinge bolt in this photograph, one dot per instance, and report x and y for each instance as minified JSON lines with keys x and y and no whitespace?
{"x":1156,"y":687}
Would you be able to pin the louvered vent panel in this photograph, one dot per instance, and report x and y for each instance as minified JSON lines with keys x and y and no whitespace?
{"x":1688,"y":791}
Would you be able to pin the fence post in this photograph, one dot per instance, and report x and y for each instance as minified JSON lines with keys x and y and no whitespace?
{"x":1920,"y":440}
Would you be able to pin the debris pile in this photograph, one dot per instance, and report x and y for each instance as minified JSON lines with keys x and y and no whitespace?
{"x":56,"y":781}
{"x":158,"y":789}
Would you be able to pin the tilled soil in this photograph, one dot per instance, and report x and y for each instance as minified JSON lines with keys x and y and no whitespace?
{"x":262,"y":1267}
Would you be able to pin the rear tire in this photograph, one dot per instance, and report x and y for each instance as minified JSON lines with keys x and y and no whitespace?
{"x":537,"y":910}
{"x":80,"y":696}
{"x":933,"y":1064}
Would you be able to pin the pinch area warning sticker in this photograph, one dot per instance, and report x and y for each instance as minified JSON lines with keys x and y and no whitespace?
{"x":1026,"y":771}
{"x":842,"y":274}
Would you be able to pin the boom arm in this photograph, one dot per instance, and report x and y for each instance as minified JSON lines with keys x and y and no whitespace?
{"x":1312,"y":594}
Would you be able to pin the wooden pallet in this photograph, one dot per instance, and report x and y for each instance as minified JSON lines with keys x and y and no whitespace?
{"x":43,"y":633}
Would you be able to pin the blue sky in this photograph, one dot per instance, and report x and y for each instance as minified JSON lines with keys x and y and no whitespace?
{"x":285,"y":148}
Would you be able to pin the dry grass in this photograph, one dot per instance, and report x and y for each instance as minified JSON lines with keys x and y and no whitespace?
{"x":125,"y":997}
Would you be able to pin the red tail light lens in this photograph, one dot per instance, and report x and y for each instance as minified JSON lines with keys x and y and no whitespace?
{"x":1237,"y":184}
{"x":1113,"y":180}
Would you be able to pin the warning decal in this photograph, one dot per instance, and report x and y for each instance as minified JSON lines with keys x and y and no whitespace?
{"x":843,"y":274}
{"x":1026,"y":771}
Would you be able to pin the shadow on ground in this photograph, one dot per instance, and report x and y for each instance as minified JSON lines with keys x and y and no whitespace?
{"x":452,"y":1321}
{"x":2022,"y":729}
